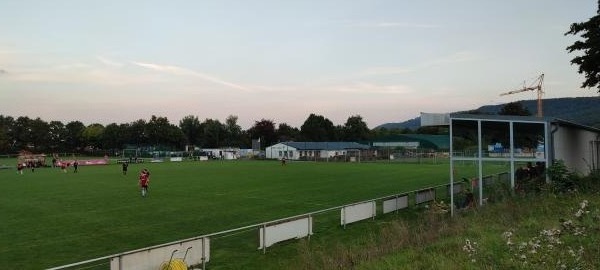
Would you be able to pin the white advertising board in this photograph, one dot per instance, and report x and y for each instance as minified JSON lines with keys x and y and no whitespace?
{"x":394,"y":204}
{"x":357,"y":212}
{"x":435,"y":119}
{"x":293,"y":229}
{"x":194,"y":252}
{"x":456,"y":188}
{"x":424,"y":195}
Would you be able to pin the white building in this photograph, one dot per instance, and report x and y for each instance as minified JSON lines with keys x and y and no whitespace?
{"x":223,"y":153}
{"x":314,"y":150}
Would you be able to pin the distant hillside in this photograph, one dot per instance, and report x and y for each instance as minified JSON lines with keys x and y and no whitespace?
{"x":581,"y":110}
{"x":410,"y":124}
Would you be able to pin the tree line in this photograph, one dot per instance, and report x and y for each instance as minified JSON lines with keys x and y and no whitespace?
{"x":37,"y":135}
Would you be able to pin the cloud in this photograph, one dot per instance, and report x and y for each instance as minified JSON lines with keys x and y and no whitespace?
{"x":188,"y":72}
{"x":380,"y":24}
{"x":458,"y":57}
{"x":369,"y":88}
{"x":385,"y":71}
{"x":81,"y":73}
{"x":109,"y":62}
{"x":401,"y":25}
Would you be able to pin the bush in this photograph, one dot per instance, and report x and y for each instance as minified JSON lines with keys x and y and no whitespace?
{"x":591,"y":182}
{"x":562,"y":180}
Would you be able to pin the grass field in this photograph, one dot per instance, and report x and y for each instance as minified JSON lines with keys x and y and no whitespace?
{"x":51,"y":218}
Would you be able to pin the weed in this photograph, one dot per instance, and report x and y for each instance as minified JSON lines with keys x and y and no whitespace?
{"x":551,"y":248}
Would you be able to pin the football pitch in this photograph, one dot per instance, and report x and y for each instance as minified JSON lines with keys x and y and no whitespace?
{"x":50,"y":218}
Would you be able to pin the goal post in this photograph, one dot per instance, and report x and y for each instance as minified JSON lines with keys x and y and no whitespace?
{"x":131,"y":153}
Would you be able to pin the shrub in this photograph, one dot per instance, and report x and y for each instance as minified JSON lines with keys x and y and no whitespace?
{"x":562,"y":180}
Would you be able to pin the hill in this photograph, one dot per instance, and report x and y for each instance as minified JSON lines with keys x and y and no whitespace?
{"x":581,"y":110}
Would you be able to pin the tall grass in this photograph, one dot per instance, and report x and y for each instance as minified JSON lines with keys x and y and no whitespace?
{"x":532,"y":232}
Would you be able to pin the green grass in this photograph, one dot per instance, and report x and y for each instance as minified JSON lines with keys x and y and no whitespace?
{"x":50,"y":218}
{"x":526,"y":216}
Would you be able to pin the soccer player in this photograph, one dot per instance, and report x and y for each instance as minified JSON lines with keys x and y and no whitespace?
{"x":20,"y":168}
{"x":144,"y":180}
{"x":75,"y":165}
{"x":125,"y":165}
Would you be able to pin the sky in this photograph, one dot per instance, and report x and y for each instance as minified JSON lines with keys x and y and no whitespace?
{"x":384,"y":60}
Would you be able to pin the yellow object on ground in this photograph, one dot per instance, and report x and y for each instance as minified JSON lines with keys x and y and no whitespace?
{"x":176,"y":264}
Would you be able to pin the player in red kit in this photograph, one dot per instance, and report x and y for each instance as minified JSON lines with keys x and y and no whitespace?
{"x":144,"y":180}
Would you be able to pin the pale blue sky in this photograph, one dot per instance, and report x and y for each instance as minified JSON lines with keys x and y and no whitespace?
{"x":386,"y":60}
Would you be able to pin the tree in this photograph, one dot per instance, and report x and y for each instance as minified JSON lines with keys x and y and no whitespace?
{"x":39,"y":134}
{"x":74,"y":139}
{"x":125,"y":136}
{"x":57,"y":133}
{"x":212,"y":133}
{"x":190,"y":126}
{"x":22,"y":133}
{"x":317,"y":128}
{"x":233,"y":132}
{"x":158,"y":129}
{"x":382,"y":132}
{"x":175,"y":137}
{"x":433,"y":130}
{"x":92,"y":136}
{"x":137,"y":133}
{"x":265,"y":130}
{"x":514,"y":108}
{"x":287,"y":133}
{"x":112,"y":137}
{"x":356,"y":129}
{"x":6,"y":137}
{"x":589,"y":62}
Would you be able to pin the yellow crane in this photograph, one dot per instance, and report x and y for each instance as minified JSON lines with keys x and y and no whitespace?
{"x":536,"y":85}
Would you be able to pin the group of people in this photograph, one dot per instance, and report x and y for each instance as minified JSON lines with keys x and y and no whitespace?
{"x":144,"y":181}
{"x":144,"y":178}
{"x":29,"y":164}
{"x":529,"y":177}
{"x":65,"y":165}
{"x":530,"y":171}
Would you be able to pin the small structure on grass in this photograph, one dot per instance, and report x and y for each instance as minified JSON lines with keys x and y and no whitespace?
{"x":333,"y":151}
{"x":519,"y":143}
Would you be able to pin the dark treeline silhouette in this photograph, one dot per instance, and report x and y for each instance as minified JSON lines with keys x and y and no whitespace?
{"x":37,"y":135}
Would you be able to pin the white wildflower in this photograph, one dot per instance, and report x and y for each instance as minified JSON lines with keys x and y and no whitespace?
{"x":571,"y":252}
{"x":583,"y":204}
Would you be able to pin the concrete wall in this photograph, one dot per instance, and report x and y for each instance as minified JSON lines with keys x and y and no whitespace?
{"x":572,"y":145}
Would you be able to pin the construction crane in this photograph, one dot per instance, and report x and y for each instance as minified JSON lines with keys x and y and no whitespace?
{"x":536,"y":85}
